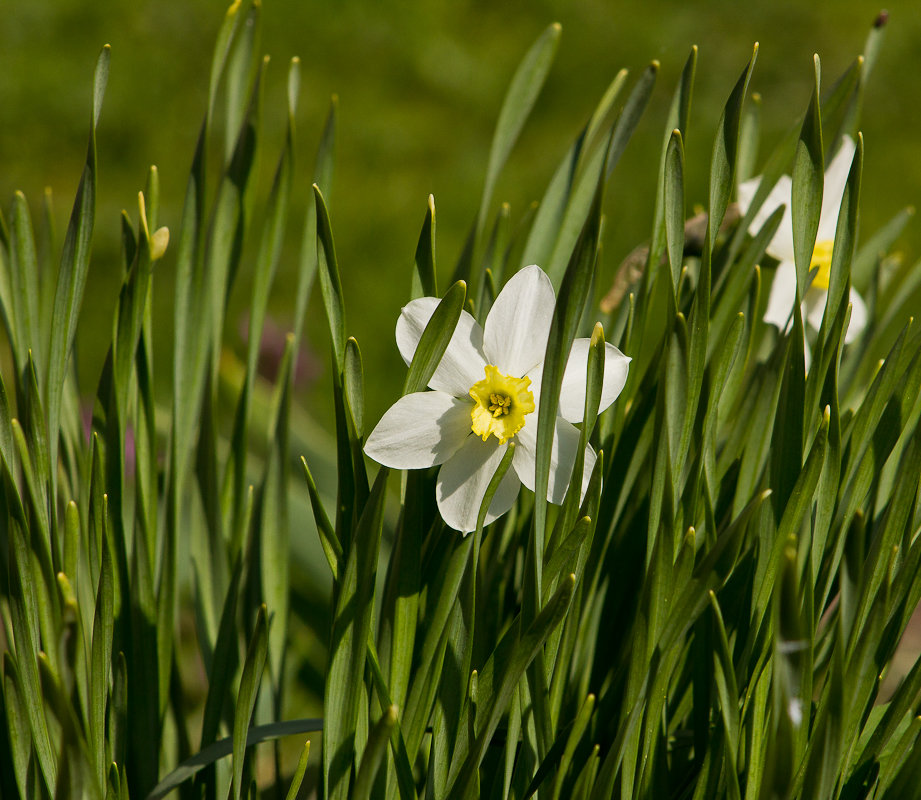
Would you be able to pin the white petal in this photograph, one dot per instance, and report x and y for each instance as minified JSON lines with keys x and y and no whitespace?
{"x":782,"y":297}
{"x":835,"y":180}
{"x":781,"y":246}
{"x":463,"y":480}
{"x":572,"y":391}
{"x":858,"y":317}
{"x":746,"y":192}
{"x":420,"y":430}
{"x":515,"y":332}
{"x":814,"y":306}
{"x":562,"y":458}
{"x":463,"y":362}
{"x":817,"y":299}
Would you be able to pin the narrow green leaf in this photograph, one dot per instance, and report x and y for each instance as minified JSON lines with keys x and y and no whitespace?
{"x":273,"y":517}
{"x":888,"y":536}
{"x":724,"y":675}
{"x":72,"y":273}
{"x":23,"y":603}
{"x":674,"y":205}
{"x":630,"y":116}
{"x":17,"y":721}
{"x":223,"y":662}
{"x":678,"y":114}
{"x":424,"y":280}
{"x":725,"y":154}
{"x":24,"y":280}
{"x":330,"y":284}
{"x":593,"y":171}
{"x":572,"y":742}
{"x":374,"y":754}
{"x":549,"y":215}
{"x":749,"y":134}
{"x":567,"y":314}
{"x":797,"y":506}
{"x":101,"y":664}
{"x":246,"y":697}
{"x":225,"y":747}
{"x":824,"y":764}
{"x":298,"y":778}
{"x":328,"y":539}
{"x":448,"y":575}
{"x":240,"y":69}
{"x":267,"y":259}
{"x":323,"y":176}
{"x":808,"y":183}
{"x":225,"y":39}
{"x":496,"y":684}
{"x":516,"y":107}
{"x":348,"y":650}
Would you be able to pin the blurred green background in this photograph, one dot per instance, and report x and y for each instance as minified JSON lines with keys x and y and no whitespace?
{"x":419,"y":87}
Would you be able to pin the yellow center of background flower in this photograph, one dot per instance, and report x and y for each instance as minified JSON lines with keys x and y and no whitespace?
{"x":821,"y":259}
{"x":500,"y":405}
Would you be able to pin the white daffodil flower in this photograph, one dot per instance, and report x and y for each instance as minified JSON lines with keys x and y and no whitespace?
{"x":486,"y":393}
{"x":783,"y":290}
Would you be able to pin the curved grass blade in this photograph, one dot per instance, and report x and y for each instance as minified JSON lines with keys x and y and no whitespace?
{"x":246,"y":697}
{"x":223,"y":662}
{"x":496,"y":684}
{"x":240,"y":67}
{"x":808,"y":184}
{"x":330,"y":283}
{"x":572,"y":741}
{"x":24,"y":283}
{"x":224,"y":747}
{"x":678,"y":115}
{"x":374,"y":754}
{"x":273,"y":516}
{"x":674,"y":205}
{"x":17,"y":721}
{"x":404,"y":773}
{"x":298,"y":778}
{"x":348,"y":647}
{"x":323,"y":176}
{"x":332,"y":548}
{"x":593,"y":170}
{"x":522,"y":94}
{"x":101,"y":663}
{"x":266,"y":265}
{"x":23,"y":602}
{"x":547,"y":220}
{"x":424,"y":281}
{"x":71,"y":279}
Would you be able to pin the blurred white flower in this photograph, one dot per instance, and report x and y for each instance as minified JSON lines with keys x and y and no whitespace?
{"x":783,"y":290}
{"x":486,"y":393}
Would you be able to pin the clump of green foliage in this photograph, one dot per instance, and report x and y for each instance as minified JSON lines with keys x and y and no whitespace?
{"x":713,"y":619}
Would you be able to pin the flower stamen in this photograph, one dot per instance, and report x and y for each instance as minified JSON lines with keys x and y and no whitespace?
{"x":500,"y":404}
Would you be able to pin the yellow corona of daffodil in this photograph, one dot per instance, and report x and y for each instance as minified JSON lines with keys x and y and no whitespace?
{"x":486,"y":394}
